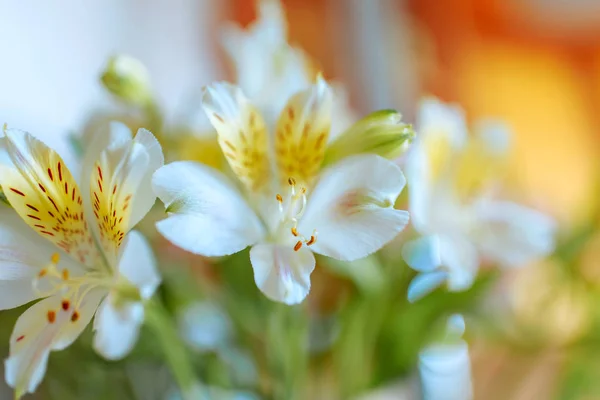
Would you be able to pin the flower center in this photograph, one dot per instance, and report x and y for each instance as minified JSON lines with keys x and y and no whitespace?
{"x":52,"y":281}
{"x":291,"y":210}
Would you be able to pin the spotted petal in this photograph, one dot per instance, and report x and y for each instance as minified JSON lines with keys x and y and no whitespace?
{"x":242,"y":133}
{"x":352,"y":207}
{"x":45,"y":326}
{"x":302,"y":133}
{"x":120,"y":188}
{"x":43,"y":192}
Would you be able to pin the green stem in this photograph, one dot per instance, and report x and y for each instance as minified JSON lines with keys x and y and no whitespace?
{"x":175,"y":353}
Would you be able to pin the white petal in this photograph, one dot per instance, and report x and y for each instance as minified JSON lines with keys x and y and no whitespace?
{"x":23,"y":253}
{"x":422,"y":254}
{"x":207,"y":215}
{"x":117,"y":328}
{"x":513,"y":235}
{"x":352,"y":207}
{"x":425,"y":283}
{"x":144,"y":197}
{"x":437,"y":118}
{"x":138,"y":265}
{"x":281,"y":273}
{"x":34,"y":337}
{"x":460,"y":257}
{"x":446,"y":372}
{"x":455,"y":326}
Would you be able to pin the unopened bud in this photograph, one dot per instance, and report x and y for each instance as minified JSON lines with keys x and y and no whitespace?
{"x":127,"y":78}
{"x":381,"y":132}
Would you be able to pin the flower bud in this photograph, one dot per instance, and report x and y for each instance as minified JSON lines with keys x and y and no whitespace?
{"x":127,"y":78}
{"x":381,"y":132}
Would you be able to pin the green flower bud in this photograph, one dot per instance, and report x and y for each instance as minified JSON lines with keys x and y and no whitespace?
{"x":381,"y":132}
{"x":127,"y":78}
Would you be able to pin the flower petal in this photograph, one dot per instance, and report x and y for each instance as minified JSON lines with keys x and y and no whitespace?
{"x":241,"y":131}
{"x":42,"y":190}
{"x":268,"y":69}
{"x":425,"y":283}
{"x":511,"y":234}
{"x":460,"y":258}
{"x":138,"y":265}
{"x":445,"y":371}
{"x":352,"y":207}
{"x":144,"y":197}
{"x":117,"y":328}
{"x":436,"y":118}
{"x":207,"y":215}
{"x":18,"y":266}
{"x":422,"y":254}
{"x":115,"y":180}
{"x":281,"y":273}
{"x":42,"y":328}
{"x":303,"y":132}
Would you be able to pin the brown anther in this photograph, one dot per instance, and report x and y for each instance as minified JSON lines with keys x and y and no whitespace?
{"x":294,"y":231}
{"x":303,"y":190}
{"x":291,"y":181}
{"x":65,"y":274}
{"x":66,"y":304}
{"x":279,"y":198}
{"x":75,"y":316}
{"x":51,"y":316}
{"x":298,"y":245}
{"x":42,"y":273}
{"x":312,"y":240}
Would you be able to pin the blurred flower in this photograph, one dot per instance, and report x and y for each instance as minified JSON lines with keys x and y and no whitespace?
{"x":451,"y":203}
{"x":445,"y":368}
{"x":60,"y":262}
{"x":205,"y":326}
{"x":350,"y":206}
{"x":269,"y":70}
{"x":127,"y":79}
{"x":381,"y":132}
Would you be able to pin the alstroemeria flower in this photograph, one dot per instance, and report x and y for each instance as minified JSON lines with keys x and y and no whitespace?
{"x":290,"y":208}
{"x":70,"y":245}
{"x":461,"y":223}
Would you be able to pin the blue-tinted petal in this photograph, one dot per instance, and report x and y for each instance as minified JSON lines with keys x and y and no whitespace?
{"x":422,"y":254}
{"x":424,"y":284}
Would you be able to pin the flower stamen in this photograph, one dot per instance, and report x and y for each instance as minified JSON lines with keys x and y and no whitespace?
{"x":290,"y":214}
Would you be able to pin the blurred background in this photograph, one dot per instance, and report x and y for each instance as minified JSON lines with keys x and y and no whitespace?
{"x":533,"y":332}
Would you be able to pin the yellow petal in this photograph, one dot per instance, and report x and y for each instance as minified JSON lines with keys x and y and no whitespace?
{"x":114,"y":180}
{"x":241,"y":131}
{"x":43,"y":192}
{"x":302,"y":133}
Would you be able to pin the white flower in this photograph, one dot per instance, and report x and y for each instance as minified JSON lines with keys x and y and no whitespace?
{"x":270,"y":71}
{"x":445,"y":368}
{"x":287,"y":201}
{"x":71,"y":246}
{"x":460,"y":222}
